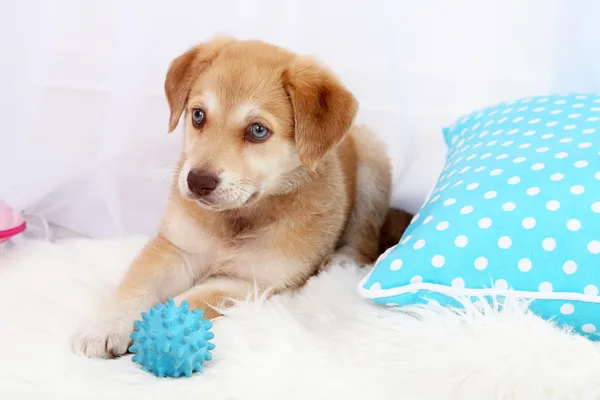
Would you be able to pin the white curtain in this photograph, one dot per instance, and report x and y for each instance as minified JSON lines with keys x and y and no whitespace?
{"x":83,"y":122}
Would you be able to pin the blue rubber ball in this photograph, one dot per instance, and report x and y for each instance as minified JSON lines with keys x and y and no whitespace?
{"x":172,"y":341}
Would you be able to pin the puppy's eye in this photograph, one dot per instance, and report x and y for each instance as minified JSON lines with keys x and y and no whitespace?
{"x":258,"y":133}
{"x":197,"y":117}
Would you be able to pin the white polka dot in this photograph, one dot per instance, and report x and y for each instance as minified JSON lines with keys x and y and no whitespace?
{"x":533,"y":191}
{"x":545,"y":287}
{"x":419,"y":244}
{"x":396,"y":265}
{"x":519,"y":160}
{"x":498,"y":132}
{"x":570,"y":127}
{"x":438,"y":261}
{"x":562,"y":154}
{"x":596,"y":207}
{"x":594,"y":247}
{"x":502,"y":156}
{"x":442,"y":226}
{"x":427,"y":220}
{"x":593,"y":119}
{"x":504,"y":242}
{"x":375,"y":286}
{"x":509,"y":206}
{"x":552,"y":123}
{"x":465,"y":169}
{"x":529,"y":133}
{"x":485,"y":223}
{"x":590,"y":290}
{"x":481,"y":263}
{"x":547,"y":135}
{"x":486,"y":155}
{"x":514,"y":180}
{"x":479,"y":169}
{"x":495,"y":172}
{"x":492,"y":193}
{"x":567,"y":309}
{"x":512,"y":131}
{"x":522,"y":108}
{"x":416,"y":279}
{"x":501,"y":284}
{"x":549,"y":244}
{"x":553,"y":205}
{"x":501,"y":120}
{"x":584,"y":145}
{"x":458,"y":283}
{"x":588,"y":328}
{"x":566,"y":140}
{"x":581,"y":164}
{"x":450,"y":201}
{"x":529,"y":223}
{"x":573,"y":225}
{"x":461,"y":241}
{"x":472,"y":186}
{"x":525,"y":145}
{"x":577,"y":189}
{"x":542,"y":149}
{"x":534,"y":120}
{"x":538,"y":109}
{"x":597,"y":175}
{"x":507,"y":143}
{"x":491,"y":143}
{"x":555,"y":112}
{"x":466,"y":210}
{"x":557,"y":176}
{"x":588,"y":131}
{"x":573,"y":116}
{"x":537,"y":166}
{"x":560,"y":102}
{"x":524,"y":264}
{"x":570,"y":267}
{"x":434,"y":199}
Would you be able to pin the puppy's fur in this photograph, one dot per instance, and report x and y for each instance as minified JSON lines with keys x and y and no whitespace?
{"x":317,"y":189}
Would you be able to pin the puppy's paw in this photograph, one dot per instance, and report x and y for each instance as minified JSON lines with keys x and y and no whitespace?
{"x":338,"y":258}
{"x":105,"y":339}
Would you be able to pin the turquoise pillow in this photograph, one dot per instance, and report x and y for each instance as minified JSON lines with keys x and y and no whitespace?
{"x":515,"y":211}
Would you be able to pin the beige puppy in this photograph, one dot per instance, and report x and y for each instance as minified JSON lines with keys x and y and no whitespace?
{"x":273,"y":182}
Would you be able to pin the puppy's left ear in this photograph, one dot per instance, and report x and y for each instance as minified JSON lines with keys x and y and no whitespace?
{"x":323,"y":109}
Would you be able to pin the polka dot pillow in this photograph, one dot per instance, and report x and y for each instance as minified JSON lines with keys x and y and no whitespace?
{"x":516,"y":210}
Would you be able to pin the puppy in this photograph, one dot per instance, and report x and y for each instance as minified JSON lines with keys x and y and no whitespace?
{"x":273,"y":184}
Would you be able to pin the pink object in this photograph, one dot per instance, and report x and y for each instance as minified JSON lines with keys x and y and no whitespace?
{"x":11,"y":222}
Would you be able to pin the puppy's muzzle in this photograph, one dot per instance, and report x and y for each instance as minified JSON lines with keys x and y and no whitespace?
{"x":202,"y":183}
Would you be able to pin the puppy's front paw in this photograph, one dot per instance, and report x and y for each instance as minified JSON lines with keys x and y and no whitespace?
{"x":106,"y":339}
{"x":338,"y":258}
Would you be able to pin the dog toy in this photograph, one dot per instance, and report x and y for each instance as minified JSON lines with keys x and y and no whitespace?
{"x":172,"y":341}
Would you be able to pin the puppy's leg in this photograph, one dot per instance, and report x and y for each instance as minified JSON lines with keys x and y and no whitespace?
{"x":360,"y":242}
{"x":157,"y":273}
{"x":214,"y":293}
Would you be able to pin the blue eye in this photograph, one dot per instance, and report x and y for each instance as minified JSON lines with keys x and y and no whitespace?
{"x":258,"y":133}
{"x":197,"y":117}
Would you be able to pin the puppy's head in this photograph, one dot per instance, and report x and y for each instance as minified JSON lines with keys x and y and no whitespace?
{"x":257,"y":120}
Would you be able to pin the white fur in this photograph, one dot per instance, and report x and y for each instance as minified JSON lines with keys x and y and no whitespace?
{"x":324,"y":342}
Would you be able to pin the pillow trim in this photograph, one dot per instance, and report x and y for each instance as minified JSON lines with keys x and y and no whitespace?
{"x":485,"y":292}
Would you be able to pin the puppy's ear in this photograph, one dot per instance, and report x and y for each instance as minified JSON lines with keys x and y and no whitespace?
{"x":184,"y":70}
{"x":323,"y":109}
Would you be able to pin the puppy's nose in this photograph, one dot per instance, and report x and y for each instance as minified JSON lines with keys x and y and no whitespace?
{"x":202,"y":183}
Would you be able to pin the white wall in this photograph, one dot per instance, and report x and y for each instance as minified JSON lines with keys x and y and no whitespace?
{"x":83,"y":118}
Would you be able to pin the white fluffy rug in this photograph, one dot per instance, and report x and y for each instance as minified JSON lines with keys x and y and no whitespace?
{"x":324,"y":342}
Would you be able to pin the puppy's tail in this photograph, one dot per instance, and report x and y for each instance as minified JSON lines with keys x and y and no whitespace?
{"x":396,"y":222}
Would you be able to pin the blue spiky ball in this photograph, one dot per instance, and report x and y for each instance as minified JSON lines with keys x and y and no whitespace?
{"x":172,"y":341}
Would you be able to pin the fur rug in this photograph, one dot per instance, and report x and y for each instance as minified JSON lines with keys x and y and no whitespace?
{"x":323,"y":342}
